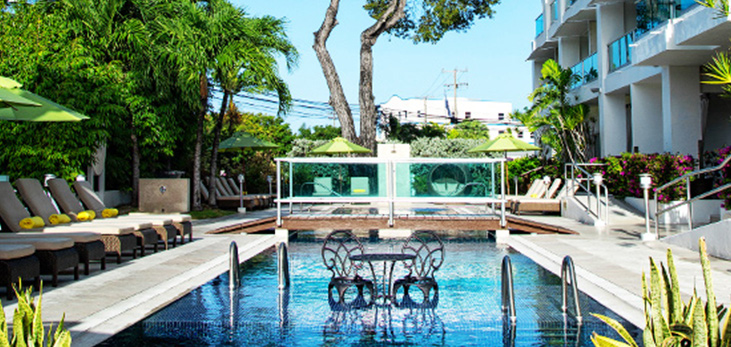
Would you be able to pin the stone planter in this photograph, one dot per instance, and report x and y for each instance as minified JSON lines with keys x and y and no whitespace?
{"x":704,"y":211}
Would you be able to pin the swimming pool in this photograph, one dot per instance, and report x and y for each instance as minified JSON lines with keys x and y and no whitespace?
{"x":468,"y":311}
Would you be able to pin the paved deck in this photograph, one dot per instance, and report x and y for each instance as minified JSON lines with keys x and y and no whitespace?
{"x":609,"y":263}
{"x":106,"y":302}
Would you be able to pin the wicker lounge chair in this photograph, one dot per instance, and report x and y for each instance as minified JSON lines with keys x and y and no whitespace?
{"x":117,"y":239}
{"x":429,"y":251}
{"x":18,"y":261}
{"x":70,"y":205}
{"x":55,"y":254}
{"x":89,"y":244}
{"x":174,"y":224}
{"x":546,"y":205}
{"x":227,"y":196}
{"x":337,"y":248}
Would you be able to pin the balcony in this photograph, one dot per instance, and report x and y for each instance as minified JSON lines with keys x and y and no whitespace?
{"x":540,"y":25}
{"x":655,"y":14}
{"x":587,"y":70}
{"x":620,"y":52}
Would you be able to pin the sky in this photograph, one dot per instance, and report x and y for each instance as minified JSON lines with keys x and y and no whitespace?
{"x":491,"y":57}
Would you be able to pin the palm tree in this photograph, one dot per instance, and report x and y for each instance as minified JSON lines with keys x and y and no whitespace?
{"x":560,"y":123}
{"x":246,"y":60}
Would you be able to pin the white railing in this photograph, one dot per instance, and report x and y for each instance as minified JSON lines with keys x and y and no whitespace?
{"x":577,"y":174}
{"x":394,"y":183}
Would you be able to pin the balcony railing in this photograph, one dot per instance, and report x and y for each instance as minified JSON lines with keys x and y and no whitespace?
{"x":620,"y":52}
{"x":554,"y":11}
{"x":539,"y":25}
{"x":587,"y":70}
{"x":651,"y":14}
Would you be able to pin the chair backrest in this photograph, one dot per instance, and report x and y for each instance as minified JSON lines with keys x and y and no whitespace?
{"x":39,"y":203}
{"x":429,"y":251}
{"x":551,"y":192}
{"x":204,"y":192}
{"x":533,"y":189}
{"x":322,"y":186}
{"x":569,"y":189}
{"x":234,"y":186}
{"x":64,"y":197}
{"x":222,"y":187}
{"x":359,"y":186}
{"x":11,"y":210}
{"x":87,"y":195}
{"x":337,"y":248}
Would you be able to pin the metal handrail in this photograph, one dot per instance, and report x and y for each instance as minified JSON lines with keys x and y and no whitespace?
{"x":587,"y":188}
{"x":686,"y":202}
{"x":508,"y":294}
{"x":283,"y":266}
{"x":568,"y":273}
{"x":233,"y":266}
{"x":688,"y":199}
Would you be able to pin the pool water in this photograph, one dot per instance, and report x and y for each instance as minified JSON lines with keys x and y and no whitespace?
{"x":468,"y":310}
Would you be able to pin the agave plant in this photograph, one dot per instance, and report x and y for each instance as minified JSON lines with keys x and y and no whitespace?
{"x":28,"y":324}
{"x":668,"y":320}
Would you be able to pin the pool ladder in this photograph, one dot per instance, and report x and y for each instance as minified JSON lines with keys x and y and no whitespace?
{"x":568,"y":276}
{"x":508,"y":294}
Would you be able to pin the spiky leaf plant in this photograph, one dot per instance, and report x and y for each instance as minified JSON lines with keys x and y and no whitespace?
{"x":668,"y":320}
{"x":28,"y":324}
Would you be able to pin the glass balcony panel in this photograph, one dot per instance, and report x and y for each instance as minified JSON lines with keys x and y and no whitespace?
{"x":338,"y":180}
{"x":591,"y":68}
{"x":554,"y":12}
{"x":443,"y":180}
{"x":539,"y":25}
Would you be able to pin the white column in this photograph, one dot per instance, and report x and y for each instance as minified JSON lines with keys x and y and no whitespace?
{"x":681,"y":112}
{"x":568,"y":51}
{"x":647,"y":132}
{"x":612,"y":124}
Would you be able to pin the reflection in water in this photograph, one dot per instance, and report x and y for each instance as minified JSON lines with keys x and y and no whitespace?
{"x":410,"y":322}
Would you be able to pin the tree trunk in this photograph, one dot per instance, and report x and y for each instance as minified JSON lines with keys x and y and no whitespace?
{"x":197,"y":206}
{"x":337,"y":97}
{"x":135,"y":165}
{"x":214,"y":150}
{"x":368,"y":114}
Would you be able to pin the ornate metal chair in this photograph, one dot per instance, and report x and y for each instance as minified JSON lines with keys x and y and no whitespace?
{"x":337,"y":248}
{"x":429,"y":251}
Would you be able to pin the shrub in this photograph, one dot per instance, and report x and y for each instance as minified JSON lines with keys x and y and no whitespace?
{"x":528,"y":169}
{"x":723,"y":176}
{"x":28,"y":324}
{"x":445,"y":148}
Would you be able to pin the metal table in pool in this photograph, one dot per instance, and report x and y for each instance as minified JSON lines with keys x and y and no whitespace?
{"x":386,"y":259}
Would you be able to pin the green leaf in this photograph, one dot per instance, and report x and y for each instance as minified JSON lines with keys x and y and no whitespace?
{"x":700,"y":335}
{"x":711,"y":309}
{"x":618,"y":328}
{"x":603,"y":341}
{"x":675,"y":304}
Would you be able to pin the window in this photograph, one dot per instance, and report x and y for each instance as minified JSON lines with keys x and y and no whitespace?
{"x":468,"y":115}
{"x":501,"y":132}
{"x":501,"y":116}
{"x":520,"y":134}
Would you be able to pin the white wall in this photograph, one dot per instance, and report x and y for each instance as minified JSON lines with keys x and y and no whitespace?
{"x":681,"y":109}
{"x":647,"y":117}
{"x":718,"y":128}
{"x":613,"y":124}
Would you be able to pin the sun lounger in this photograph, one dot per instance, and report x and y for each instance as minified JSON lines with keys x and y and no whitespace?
{"x":89,"y":244}
{"x":55,"y":254}
{"x":173,"y":224}
{"x":359,"y":186}
{"x":537,"y":190}
{"x":18,"y":261}
{"x":71,"y":206}
{"x":546,"y":205}
{"x":117,"y":239}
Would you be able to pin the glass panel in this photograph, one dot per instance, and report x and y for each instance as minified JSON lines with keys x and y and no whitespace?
{"x":539,"y":25}
{"x":591,"y":68}
{"x":554,"y":12}
{"x":338,"y":180}
{"x":429,"y":180}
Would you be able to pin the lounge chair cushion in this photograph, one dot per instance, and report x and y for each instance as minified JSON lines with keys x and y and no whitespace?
{"x":42,"y":243}
{"x":101,"y":229}
{"x":177,"y":218}
{"x":88,"y":197}
{"x":136,"y":224}
{"x":35,"y":197}
{"x":15,"y":251}
{"x":81,"y":237}
{"x":64,"y":197}
{"x":11,"y":210}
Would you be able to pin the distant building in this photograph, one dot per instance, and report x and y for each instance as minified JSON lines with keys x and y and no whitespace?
{"x":496,"y":115}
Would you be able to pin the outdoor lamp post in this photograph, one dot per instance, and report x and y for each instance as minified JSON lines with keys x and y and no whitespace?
{"x":646,"y":184}
{"x":46,"y":178}
{"x":242,"y":209}
{"x":598,"y":179}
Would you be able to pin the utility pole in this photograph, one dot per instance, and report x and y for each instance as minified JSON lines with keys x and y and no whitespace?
{"x":455,"y":85}
{"x":425,"y":113}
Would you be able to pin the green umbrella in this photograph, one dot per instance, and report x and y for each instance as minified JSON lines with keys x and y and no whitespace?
{"x":339,"y":145}
{"x":45,"y":111}
{"x":504,"y":143}
{"x":239,"y":142}
{"x":9,"y":83}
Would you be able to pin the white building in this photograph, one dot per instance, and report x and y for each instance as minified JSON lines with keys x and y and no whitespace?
{"x":496,"y":115}
{"x":642,"y":63}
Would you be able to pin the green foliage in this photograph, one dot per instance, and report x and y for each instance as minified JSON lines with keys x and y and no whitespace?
{"x":671,"y":322}
{"x":407,"y":133}
{"x":430,"y":20}
{"x":444,"y":148}
{"x":622,"y":173}
{"x":302,"y":147}
{"x":723,"y":176}
{"x":470,"y":130}
{"x":561,"y":124}
{"x":28,"y":324}
{"x":531,"y":168}
{"x":319,"y":132}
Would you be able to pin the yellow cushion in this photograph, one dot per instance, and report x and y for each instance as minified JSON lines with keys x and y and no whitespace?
{"x":59,"y":219}
{"x":84,"y":216}
{"x":110,"y":212}
{"x":32,"y":223}
{"x":534,"y":195}
{"x":359,"y":191}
